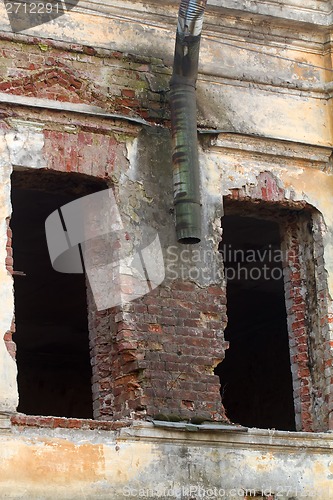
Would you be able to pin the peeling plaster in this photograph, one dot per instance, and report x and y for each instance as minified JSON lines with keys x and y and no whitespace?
{"x":132,"y":151}
{"x":8,"y":370}
{"x":73,"y":464}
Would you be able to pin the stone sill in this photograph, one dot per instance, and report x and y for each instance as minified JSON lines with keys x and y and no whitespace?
{"x":207,"y":434}
{"x":21,"y":420}
{"x":50,"y":104}
{"x":208,"y":427}
{"x":215,"y":435}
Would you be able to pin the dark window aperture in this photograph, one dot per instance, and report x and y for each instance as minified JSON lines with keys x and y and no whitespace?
{"x":256,"y":382}
{"x":54,"y":371}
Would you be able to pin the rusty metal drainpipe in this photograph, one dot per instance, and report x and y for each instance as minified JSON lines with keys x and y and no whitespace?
{"x":184,"y":121}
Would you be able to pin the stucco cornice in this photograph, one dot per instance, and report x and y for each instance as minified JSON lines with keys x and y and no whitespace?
{"x":245,"y":58}
{"x":312,"y":12}
{"x":105,"y":22}
{"x":309,"y":11}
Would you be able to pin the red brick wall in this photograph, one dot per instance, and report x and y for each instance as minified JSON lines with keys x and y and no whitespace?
{"x":11,"y":346}
{"x":156,"y":355}
{"x":121,"y":83}
{"x":296,"y":305}
{"x":307,"y":300}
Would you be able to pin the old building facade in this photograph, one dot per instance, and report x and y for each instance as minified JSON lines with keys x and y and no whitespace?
{"x":216,"y":380}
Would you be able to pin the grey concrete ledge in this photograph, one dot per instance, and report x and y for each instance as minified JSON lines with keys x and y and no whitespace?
{"x":315,"y":12}
{"x":210,"y":427}
{"x":88,"y":20}
{"x":85,"y":109}
{"x":211,"y":435}
{"x":269,"y":146}
{"x":217,"y":435}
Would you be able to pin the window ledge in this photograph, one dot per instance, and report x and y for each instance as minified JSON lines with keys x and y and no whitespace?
{"x":21,"y":420}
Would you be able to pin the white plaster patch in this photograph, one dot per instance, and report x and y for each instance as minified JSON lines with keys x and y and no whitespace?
{"x":25,"y":145}
{"x":132,"y":151}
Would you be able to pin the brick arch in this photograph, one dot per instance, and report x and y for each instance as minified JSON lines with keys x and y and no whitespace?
{"x":62,"y":83}
{"x":53,"y":83}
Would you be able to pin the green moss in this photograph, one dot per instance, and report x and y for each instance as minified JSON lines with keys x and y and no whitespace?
{"x":162,"y":417}
{"x":43,"y":47}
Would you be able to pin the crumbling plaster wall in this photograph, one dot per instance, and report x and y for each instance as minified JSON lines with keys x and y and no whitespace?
{"x":156,"y":462}
{"x":275,"y":116}
{"x":250,"y":95}
{"x":246,"y":81}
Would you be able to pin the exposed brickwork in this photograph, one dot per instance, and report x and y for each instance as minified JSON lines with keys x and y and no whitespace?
{"x":297,"y":311}
{"x":101,"y":327}
{"x":20,"y":420}
{"x":83,"y":152}
{"x":321,"y":327}
{"x":156,"y":356}
{"x":121,"y":83}
{"x":266,"y":189}
{"x":8,"y":337}
{"x":9,"y":250}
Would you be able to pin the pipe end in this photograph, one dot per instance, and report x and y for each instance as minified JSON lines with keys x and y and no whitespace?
{"x":188,"y":222}
{"x":189,"y":240}
{"x":189,"y":235}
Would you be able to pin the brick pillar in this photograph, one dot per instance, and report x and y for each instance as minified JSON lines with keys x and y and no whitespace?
{"x":155,"y":356}
{"x":8,"y":337}
{"x":295,"y":288}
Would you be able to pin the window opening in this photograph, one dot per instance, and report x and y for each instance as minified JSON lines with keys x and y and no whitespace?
{"x":255,"y":376}
{"x":54,"y":371}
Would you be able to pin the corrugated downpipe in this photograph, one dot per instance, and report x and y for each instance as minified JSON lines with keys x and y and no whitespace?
{"x":184,"y":121}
